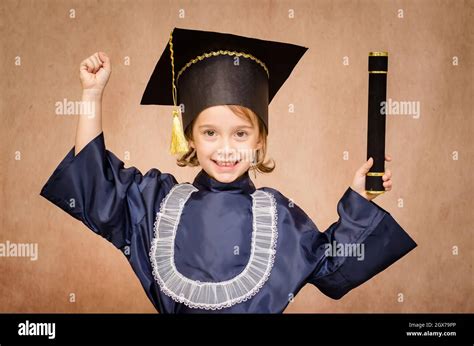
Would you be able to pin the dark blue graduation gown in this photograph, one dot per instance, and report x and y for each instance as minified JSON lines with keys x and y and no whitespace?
{"x":121,"y":205}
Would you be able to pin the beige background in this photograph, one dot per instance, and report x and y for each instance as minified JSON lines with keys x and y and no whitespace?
{"x":330,"y":102}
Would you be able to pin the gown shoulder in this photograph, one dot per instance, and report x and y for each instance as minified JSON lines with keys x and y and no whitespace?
{"x":95,"y":188}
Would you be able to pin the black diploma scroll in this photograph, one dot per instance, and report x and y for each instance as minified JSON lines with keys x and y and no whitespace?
{"x":378,"y":66}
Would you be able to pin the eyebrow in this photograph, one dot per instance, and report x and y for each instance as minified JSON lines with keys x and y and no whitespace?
{"x":236,"y":127}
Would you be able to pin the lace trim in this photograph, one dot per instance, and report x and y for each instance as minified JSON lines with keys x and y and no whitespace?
{"x":213,"y":295}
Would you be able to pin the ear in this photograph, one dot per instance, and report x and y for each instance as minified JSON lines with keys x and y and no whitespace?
{"x":191,"y":144}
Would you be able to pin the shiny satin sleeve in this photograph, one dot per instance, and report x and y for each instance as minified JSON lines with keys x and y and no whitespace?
{"x":95,"y":188}
{"x":363,"y":224}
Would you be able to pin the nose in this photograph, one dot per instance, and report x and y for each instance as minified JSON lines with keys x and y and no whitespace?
{"x":226,"y":150}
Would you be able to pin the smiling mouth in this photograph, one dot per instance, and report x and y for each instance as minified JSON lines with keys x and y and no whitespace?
{"x":229,"y":164}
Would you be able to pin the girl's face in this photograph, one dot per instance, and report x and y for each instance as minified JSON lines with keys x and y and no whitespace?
{"x":225,"y":143}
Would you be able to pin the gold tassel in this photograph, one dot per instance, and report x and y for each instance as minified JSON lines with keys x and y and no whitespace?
{"x":179,"y":144}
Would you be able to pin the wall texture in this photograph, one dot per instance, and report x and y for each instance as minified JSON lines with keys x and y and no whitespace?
{"x":431,"y":55}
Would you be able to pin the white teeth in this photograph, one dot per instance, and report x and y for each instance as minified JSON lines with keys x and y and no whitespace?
{"x":225,"y":164}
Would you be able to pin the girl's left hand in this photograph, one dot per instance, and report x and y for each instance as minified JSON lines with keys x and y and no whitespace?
{"x":358,"y":184}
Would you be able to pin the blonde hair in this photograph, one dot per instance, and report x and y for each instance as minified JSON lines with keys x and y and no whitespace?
{"x":190,"y":158}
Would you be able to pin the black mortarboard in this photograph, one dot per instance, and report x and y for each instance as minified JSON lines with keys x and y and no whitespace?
{"x":210,"y":68}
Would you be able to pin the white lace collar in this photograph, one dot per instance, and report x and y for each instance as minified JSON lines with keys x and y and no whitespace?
{"x":213,"y":295}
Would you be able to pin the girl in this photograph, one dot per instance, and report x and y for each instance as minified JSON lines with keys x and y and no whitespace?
{"x":218,"y":244}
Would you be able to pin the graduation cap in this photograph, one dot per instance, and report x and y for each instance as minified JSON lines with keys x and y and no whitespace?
{"x":201,"y":69}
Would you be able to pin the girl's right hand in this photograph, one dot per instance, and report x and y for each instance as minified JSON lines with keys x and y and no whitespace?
{"x":95,"y":72}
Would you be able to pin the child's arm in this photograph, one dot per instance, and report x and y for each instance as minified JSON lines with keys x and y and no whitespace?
{"x":94,"y":74}
{"x":93,"y":185}
{"x":363,"y":242}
